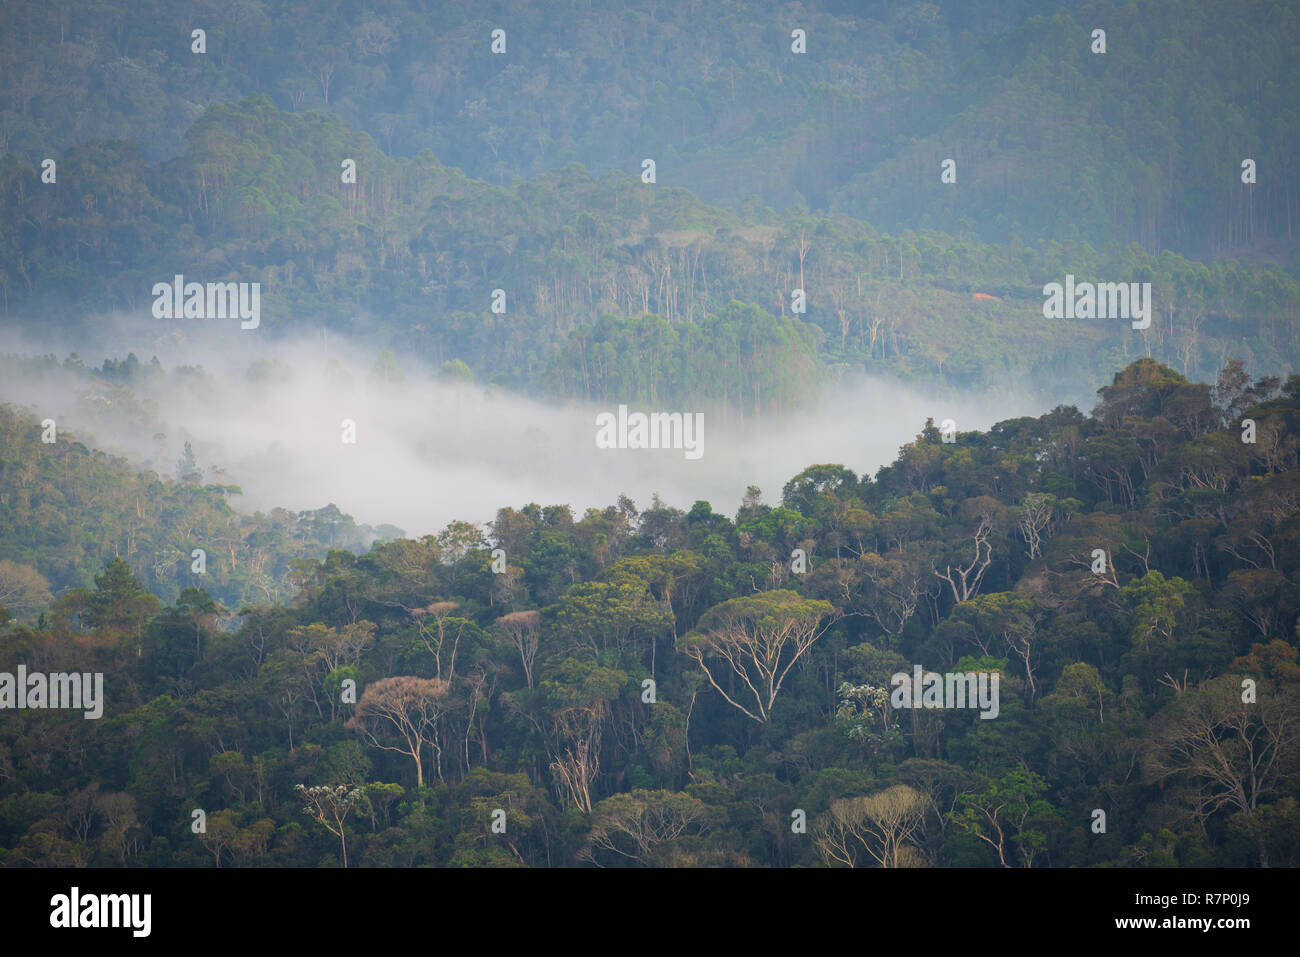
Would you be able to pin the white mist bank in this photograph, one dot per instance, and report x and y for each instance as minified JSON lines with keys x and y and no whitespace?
{"x":428,"y":453}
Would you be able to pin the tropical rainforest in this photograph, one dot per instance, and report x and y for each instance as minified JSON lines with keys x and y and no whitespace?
{"x":665,"y":687}
{"x":700,"y":205}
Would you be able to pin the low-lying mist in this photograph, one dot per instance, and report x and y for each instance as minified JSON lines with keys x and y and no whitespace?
{"x":267,"y":415}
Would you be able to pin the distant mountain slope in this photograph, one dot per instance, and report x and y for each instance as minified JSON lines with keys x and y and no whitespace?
{"x":1143,"y":143}
{"x":411,"y":254}
{"x":66,"y":509}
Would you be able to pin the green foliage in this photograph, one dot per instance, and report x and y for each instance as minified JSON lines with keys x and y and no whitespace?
{"x":66,"y":511}
{"x":617,"y":292}
{"x":657,"y":636}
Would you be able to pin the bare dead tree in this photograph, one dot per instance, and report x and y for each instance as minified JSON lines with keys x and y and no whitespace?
{"x":965,"y":582}
{"x":522,"y":628}
{"x":1034,"y":518}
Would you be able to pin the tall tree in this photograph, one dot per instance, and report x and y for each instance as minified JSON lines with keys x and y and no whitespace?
{"x":406,"y":708}
{"x":758,"y":639}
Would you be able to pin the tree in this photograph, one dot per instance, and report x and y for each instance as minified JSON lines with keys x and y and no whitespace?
{"x":1266,"y":598}
{"x":337,"y":647}
{"x":22,"y":588}
{"x":867,"y":715}
{"x":1012,"y":619}
{"x":1076,"y":711}
{"x":120,"y":602}
{"x":759,"y":638}
{"x":386,"y":371}
{"x":457,"y":541}
{"x":1229,"y":754}
{"x":333,"y":654}
{"x":579,"y":694}
{"x":1233,"y":392}
{"x":1034,"y":517}
{"x":965,"y":582}
{"x":521,"y":628}
{"x":405,"y":706}
{"x":330,"y":806}
{"x":443,"y":639}
{"x":1007,"y":814}
{"x":218,"y":836}
{"x":122,"y":834}
{"x":455,"y":372}
{"x":883,"y":825}
{"x":634,"y":825}
{"x":802,"y":492}
{"x":201,"y":611}
{"x":611,"y":614}
{"x":527,"y":839}
{"x":187,"y":467}
{"x":174,"y":639}
{"x":1167,"y":633}
{"x":888,"y":588}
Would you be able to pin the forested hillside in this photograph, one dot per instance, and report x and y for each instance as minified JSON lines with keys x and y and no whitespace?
{"x":1053,"y":140}
{"x":634,"y":434}
{"x":410,"y":256}
{"x":66,"y":509}
{"x":669,"y":686}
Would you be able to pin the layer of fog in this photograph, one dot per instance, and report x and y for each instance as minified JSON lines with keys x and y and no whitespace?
{"x":428,"y":452}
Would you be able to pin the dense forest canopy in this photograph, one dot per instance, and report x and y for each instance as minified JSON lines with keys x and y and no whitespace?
{"x":234,"y":236}
{"x":658,"y":686}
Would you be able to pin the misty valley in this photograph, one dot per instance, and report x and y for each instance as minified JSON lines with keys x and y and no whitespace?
{"x":629,"y":435}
